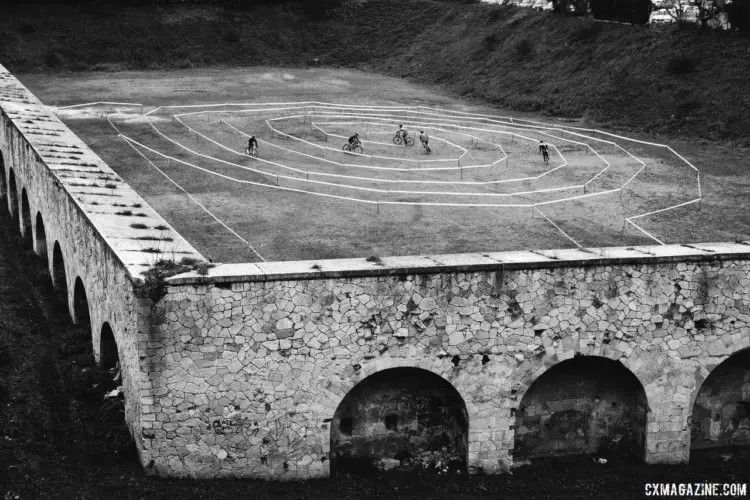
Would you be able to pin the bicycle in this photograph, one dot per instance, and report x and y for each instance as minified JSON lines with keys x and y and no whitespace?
{"x":398,"y":140}
{"x":252,"y":152}
{"x":426,"y":147}
{"x":545,"y":157}
{"x":352,"y":148}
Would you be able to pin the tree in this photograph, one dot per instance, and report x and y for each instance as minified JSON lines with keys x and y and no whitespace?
{"x":679,"y":10}
{"x":738,"y":14}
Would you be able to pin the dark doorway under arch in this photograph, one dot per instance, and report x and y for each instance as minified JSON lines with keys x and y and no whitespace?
{"x":59,"y":280}
{"x":583,"y":405}
{"x":408,"y":416}
{"x":13,"y":195}
{"x":108,"y":357}
{"x":721,"y":412}
{"x":28,"y":239}
{"x":3,"y":185}
{"x":80,"y":305}
{"x":41,"y":237}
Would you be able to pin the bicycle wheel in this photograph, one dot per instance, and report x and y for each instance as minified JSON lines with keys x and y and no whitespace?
{"x":357,"y":149}
{"x":409,"y":141}
{"x":397,"y":140}
{"x":345,"y":148}
{"x":254,"y":153}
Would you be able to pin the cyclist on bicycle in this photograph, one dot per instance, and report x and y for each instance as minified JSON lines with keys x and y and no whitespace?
{"x":354,"y":140}
{"x":252,"y":144}
{"x":543,"y":150}
{"x":402,"y":133}
{"x":425,"y":140}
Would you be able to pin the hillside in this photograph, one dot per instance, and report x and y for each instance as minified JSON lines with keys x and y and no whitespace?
{"x":690,"y":83}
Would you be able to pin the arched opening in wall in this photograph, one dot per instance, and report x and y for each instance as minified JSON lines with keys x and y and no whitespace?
{"x":108,"y":357}
{"x":41,"y":238}
{"x":3,"y":185}
{"x":721,"y":412}
{"x":28,"y":239}
{"x":400,"y":418}
{"x":582,"y":405}
{"x":80,"y":305}
{"x":113,"y":406}
{"x":13,"y":195}
{"x":59,"y":280}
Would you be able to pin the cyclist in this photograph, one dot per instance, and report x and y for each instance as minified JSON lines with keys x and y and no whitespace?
{"x":252,"y":145}
{"x":425,"y":140}
{"x":402,"y":133}
{"x":543,"y":151}
{"x":354,"y":140}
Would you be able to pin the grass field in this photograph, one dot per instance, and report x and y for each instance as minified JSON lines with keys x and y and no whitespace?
{"x":305,"y":199}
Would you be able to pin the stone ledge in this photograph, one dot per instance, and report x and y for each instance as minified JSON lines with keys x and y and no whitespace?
{"x":470,"y":262}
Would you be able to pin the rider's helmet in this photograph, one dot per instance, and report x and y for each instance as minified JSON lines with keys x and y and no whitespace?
{"x":421,"y":131}
{"x":356,"y":134}
{"x":400,"y":126}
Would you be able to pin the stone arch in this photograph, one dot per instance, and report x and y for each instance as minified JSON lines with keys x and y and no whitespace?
{"x":81,"y":314}
{"x":583,"y":405}
{"x":3,"y":183}
{"x":12,"y":195}
{"x":40,"y":245}
{"x":108,"y":354}
{"x":404,"y":415}
{"x":59,"y":280}
{"x":28,"y":238}
{"x":721,"y":405}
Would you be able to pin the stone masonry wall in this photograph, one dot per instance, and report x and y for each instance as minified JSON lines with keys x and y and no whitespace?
{"x":243,"y":370}
{"x":86,"y":255}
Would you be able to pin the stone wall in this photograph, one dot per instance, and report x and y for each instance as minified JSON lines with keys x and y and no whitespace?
{"x":86,"y":255}
{"x":279,"y":355}
{"x":64,"y":196}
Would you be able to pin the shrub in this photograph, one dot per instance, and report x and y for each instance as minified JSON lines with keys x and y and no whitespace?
{"x":738,"y":14}
{"x":587,"y":29}
{"x":231,"y":36}
{"x":490,"y":42}
{"x":52,"y":60}
{"x":524,"y":49}
{"x":681,"y":65}
{"x":79,"y":66}
{"x":138,"y":225}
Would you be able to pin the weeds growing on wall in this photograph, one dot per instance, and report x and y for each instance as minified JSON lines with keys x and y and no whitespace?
{"x":154,"y":284}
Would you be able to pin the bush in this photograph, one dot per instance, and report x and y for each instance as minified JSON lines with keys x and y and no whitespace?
{"x":490,"y":42}
{"x":52,"y":60}
{"x":231,"y":37}
{"x":524,"y":48}
{"x":738,"y":14}
{"x":587,"y":29}
{"x":681,"y":65}
{"x":27,"y":29}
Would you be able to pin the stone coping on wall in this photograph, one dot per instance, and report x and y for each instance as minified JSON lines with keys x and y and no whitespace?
{"x":470,"y":262}
{"x":109,"y":204}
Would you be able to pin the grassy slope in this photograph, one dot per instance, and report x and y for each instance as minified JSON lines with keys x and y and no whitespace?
{"x":607,"y":73}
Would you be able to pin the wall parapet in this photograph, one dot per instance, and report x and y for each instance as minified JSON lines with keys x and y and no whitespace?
{"x":470,"y":262}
